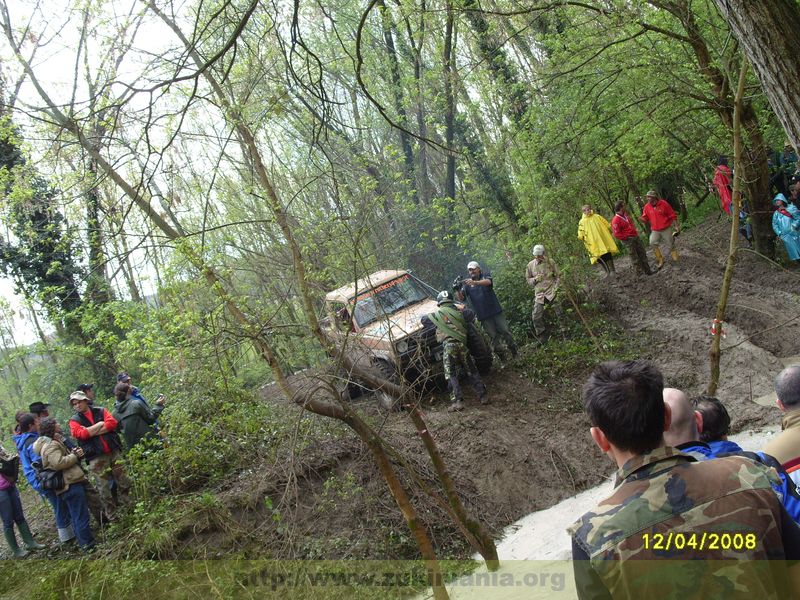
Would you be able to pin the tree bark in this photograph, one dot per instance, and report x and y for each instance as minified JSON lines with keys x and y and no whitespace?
{"x":767,"y":30}
{"x":715,"y":353}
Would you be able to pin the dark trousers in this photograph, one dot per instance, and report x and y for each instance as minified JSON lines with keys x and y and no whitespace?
{"x":75,"y":500}
{"x":11,"y":507}
{"x":638,"y":255}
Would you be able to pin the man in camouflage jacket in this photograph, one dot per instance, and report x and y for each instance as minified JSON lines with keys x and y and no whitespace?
{"x":451,"y":330}
{"x":718,"y":524}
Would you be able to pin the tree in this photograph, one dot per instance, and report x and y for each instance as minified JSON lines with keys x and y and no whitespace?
{"x":767,"y":31}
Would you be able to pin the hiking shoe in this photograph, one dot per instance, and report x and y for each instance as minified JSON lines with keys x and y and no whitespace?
{"x":456,"y":406}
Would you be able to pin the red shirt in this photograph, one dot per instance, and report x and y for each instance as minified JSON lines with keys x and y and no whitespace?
{"x":659,"y":216}
{"x":622,"y":227}
{"x":79,"y":432}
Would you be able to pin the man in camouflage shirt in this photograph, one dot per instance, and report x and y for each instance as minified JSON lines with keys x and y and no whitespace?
{"x":451,"y":329}
{"x":718,"y":522}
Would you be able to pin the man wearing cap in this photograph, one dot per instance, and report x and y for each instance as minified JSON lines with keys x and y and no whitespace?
{"x":479,"y":289}
{"x":88,"y":389}
{"x":623,"y":228}
{"x":543,"y":276}
{"x":659,"y":215}
{"x":95,"y":429}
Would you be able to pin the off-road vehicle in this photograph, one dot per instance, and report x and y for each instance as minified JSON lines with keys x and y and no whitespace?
{"x":378,"y":321}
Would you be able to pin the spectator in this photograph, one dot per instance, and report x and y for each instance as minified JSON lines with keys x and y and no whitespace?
{"x":722,"y":181}
{"x":24,"y":440}
{"x":95,"y":429}
{"x":786,"y":225}
{"x":11,"y":513}
{"x":88,"y":389}
{"x":786,"y":445}
{"x":479,"y":288}
{"x":451,"y":330}
{"x":56,"y":456}
{"x":623,"y":228}
{"x":658,"y":214}
{"x":716,"y":424}
{"x":136,"y":418}
{"x":39,"y":410}
{"x":595,"y":233}
{"x":662,"y":493}
{"x":543,"y":276}
{"x":684,"y":435}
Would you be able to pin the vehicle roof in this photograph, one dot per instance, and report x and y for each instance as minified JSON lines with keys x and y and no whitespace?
{"x":346,"y":292}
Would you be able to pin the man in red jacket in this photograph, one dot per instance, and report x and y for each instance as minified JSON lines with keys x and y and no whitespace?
{"x":659,"y":215}
{"x":623,"y":228}
{"x":95,"y":430}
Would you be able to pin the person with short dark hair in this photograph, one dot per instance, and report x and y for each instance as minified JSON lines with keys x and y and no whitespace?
{"x":55,"y":455}
{"x":624,"y":229}
{"x":716,"y":424}
{"x":663,"y":494}
{"x":137,"y":419}
{"x":786,"y":445}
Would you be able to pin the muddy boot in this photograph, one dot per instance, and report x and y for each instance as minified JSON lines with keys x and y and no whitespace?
{"x":11,"y":540}
{"x":27,"y":537}
{"x":659,"y":257}
{"x":456,"y":406}
{"x":674,"y":255}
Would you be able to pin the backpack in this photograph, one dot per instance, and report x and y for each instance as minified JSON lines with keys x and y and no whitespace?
{"x":9,"y":467}
{"x":50,"y":479}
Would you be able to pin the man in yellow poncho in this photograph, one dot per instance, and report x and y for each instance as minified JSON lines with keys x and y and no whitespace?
{"x":595,"y":232}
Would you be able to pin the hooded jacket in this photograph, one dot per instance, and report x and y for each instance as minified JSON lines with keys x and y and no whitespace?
{"x":137,"y":419}
{"x":24,"y":443}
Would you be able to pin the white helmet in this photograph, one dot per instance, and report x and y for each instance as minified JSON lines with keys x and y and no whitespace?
{"x":538,"y":250}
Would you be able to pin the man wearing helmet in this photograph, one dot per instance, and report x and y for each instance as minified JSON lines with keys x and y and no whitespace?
{"x":543,"y":276}
{"x":451,"y":329}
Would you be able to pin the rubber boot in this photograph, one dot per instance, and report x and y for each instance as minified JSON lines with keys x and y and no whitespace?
{"x":659,"y":257}
{"x":674,"y":255}
{"x":27,"y":537}
{"x":11,"y":540}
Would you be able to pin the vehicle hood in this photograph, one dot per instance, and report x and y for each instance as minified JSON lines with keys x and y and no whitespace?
{"x":400,"y":324}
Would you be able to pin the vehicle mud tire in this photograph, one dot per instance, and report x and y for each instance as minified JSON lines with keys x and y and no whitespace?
{"x":385,"y":400}
{"x":480,"y":349}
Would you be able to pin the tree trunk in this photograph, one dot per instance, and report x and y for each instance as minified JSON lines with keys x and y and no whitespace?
{"x":715,"y":353}
{"x":450,"y":103}
{"x":767,"y":30}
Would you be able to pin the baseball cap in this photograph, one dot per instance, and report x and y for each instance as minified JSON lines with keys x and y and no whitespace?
{"x":83,"y":387}
{"x":652,"y":194}
{"x":473,"y":265}
{"x":538,"y":250}
{"x":123,"y":376}
{"x":77,"y":396}
{"x":38,"y":407}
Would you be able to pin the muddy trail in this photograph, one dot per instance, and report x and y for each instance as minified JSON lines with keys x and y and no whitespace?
{"x":530,"y":447}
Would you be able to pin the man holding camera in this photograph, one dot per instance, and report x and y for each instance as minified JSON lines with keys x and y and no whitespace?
{"x":479,"y":289}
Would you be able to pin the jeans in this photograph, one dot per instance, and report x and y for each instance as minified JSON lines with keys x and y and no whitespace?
{"x":496,"y":328}
{"x":75,"y":500}
{"x":11,"y":507}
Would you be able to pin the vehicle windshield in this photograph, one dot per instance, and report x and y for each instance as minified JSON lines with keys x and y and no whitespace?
{"x":387,"y":299}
